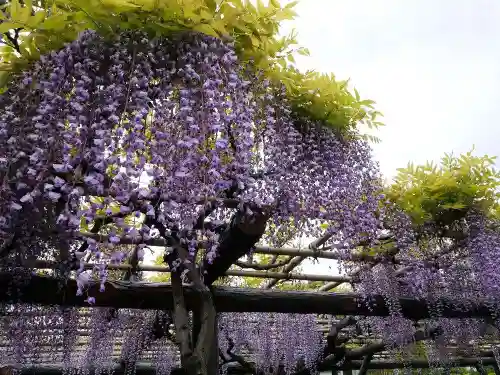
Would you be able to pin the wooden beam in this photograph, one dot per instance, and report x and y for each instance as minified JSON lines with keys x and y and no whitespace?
{"x":46,"y":264}
{"x":287,"y":276}
{"x":421,"y":363}
{"x":146,"y":368}
{"x":22,"y":287}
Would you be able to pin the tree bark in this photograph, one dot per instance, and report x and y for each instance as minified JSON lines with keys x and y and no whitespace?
{"x":365,"y":365}
{"x":237,"y":240}
{"x":204,"y":356}
{"x":181,"y":324}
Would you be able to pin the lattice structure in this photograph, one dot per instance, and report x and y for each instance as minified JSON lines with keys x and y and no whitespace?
{"x":344,"y":331}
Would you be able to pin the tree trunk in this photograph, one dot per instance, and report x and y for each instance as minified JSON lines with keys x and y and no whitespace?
{"x":181,"y":323}
{"x":200,"y":356}
{"x":207,"y":349}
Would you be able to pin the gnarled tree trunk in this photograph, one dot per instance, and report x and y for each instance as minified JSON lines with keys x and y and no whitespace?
{"x":199,"y":352}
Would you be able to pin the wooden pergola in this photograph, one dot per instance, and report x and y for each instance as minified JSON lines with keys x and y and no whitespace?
{"x":346,"y":348}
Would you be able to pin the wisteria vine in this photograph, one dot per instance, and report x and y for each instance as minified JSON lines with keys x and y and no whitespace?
{"x":107,"y":144}
{"x":151,"y":131}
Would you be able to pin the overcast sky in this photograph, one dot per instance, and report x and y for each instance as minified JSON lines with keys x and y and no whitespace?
{"x":432,"y":66}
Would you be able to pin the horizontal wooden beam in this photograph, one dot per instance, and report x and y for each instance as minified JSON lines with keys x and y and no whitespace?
{"x":420,"y":363}
{"x":332,"y":253}
{"x":321,"y":254}
{"x":43,"y":290}
{"x":145,"y":368}
{"x":288,"y":276}
{"x":46,"y":264}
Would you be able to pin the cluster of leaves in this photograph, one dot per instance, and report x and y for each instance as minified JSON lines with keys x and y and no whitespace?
{"x":34,"y":27}
{"x":442,"y":194}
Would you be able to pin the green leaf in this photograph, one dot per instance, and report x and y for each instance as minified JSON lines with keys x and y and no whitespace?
{"x":36,"y":19}
{"x":292,"y":4}
{"x":206,"y":29}
{"x":7,"y":26}
{"x":275,"y":3}
{"x":219,"y":27}
{"x":15,"y":8}
{"x":261,"y":7}
{"x":4,"y":79}
{"x":356,"y":93}
{"x":286,"y":14}
{"x":211,"y":4}
{"x":84,"y":227}
{"x":255,"y":40}
{"x":303,"y":51}
{"x":54,"y":22}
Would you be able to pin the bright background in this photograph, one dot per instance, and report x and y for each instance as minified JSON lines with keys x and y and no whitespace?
{"x":433,"y":67}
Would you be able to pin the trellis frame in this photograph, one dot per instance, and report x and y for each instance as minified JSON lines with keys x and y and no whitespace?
{"x":148,"y":295}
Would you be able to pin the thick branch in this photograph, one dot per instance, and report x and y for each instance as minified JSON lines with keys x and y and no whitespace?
{"x":496,"y":369}
{"x":331,"y":338}
{"x":237,"y":240}
{"x":365,"y":365}
{"x":14,"y":40}
{"x":371,"y":349}
{"x":240,"y":360}
{"x":480,"y":369}
{"x":261,"y":267}
{"x":205,"y":351}
{"x":295,"y":261}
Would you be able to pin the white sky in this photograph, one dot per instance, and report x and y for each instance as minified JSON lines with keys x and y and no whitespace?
{"x":433,"y":67}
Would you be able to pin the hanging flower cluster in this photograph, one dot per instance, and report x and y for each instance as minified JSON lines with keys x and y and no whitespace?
{"x":134,"y":128}
{"x":441,"y":268}
{"x":273,"y":340}
{"x":37,"y":335}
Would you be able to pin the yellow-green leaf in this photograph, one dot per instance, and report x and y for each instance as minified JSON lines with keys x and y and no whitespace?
{"x":206,"y":29}
{"x":36,"y":19}
{"x":54,"y":22}
{"x":15,"y":8}
{"x":255,"y":41}
{"x":6,"y":26}
{"x":291,"y":4}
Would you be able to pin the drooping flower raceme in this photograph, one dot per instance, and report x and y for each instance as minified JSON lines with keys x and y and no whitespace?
{"x":273,"y":339}
{"x":129,"y":129}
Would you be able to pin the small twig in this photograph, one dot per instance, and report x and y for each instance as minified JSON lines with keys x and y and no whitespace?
{"x":14,"y":42}
{"x":262,"y":267}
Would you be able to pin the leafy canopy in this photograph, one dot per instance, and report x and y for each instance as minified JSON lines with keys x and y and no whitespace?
{"x":34,"y":27}
{"x":444,"y":193}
